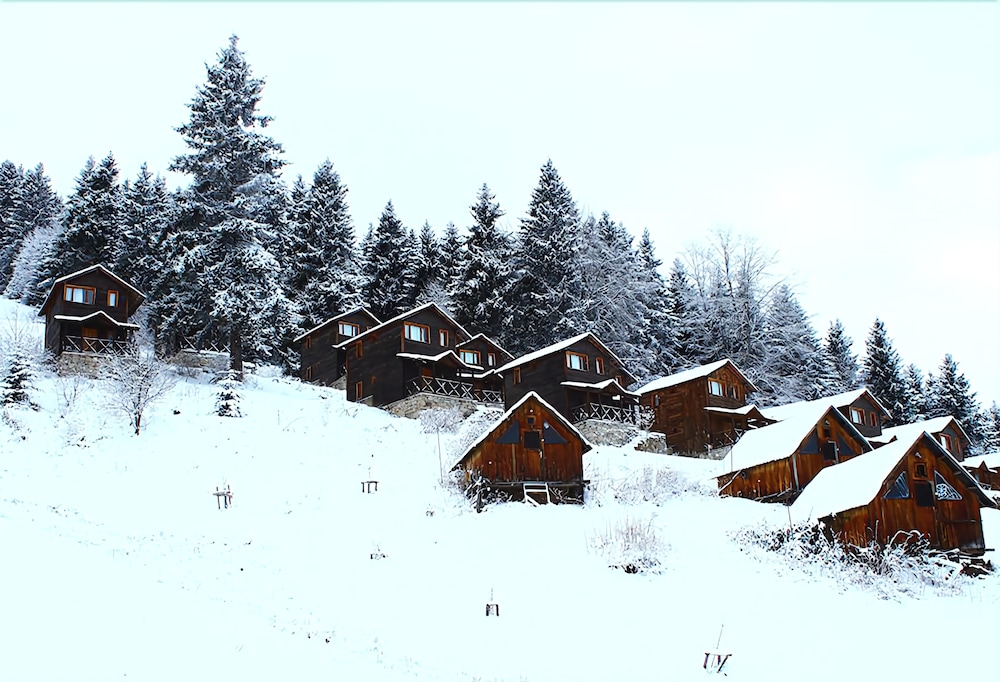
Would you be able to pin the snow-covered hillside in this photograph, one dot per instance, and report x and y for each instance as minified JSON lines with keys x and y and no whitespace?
{"x":116,"y":563}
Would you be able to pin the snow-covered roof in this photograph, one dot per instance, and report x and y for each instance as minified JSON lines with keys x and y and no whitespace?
{"x":859,"y":480}
{"x":488,"y":339}
{"x":742,"y":411}
{"x":933,"y":426}
{"x":778,"y":441}
{"x":991,"y":460}
{"x":438,"y":358}
{"x":599,"y":386}
{"x":562,"y":345}
{"x":335,"y":319}
{"x":99,"y":313}
{"x":527,"y":396}
{"x":839,"y":400}
{"x":691,"y":374}
{"x":55,"y":285}
{"x":403,"y":316}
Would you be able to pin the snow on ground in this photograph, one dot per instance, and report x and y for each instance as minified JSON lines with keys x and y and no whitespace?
{"x":117,"y":563}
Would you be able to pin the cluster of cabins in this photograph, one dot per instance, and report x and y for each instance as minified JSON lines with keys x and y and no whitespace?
{"x":830,"y":459}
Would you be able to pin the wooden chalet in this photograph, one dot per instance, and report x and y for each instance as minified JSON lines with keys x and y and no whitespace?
{"x":322,"y":349}
{"x":908,"y":485}
{"x":88,"y":312}
{"x":776,"y":462}
{"x":947,"y":430}
{"x":415,"y":352}
{"x":985,"y":469}
{"x":864,"y":410}
{"x":482,"y":351}
{"x":702,"y":408}
{"x":580,"y":377}
{"x":531,"y":452}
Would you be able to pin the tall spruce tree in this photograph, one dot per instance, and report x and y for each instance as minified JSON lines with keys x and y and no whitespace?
{"x":546,"y":275}
{"x":842,"y":363}
{"x":234,"y":210}
{"x":949,"y":394}
{"x":796,"y":367}
{"x":680,"y":326}
{"x":989,"y":426}
{"x":36,"y":217}
{"x":914,"y":407}
{"x":882,"y":373}
{"x":148,"y":213}
{"x":12,"y":232}
{"x":388,"y":266}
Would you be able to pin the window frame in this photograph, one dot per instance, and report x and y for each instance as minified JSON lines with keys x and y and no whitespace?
{"x":516,"y":377}
{"x":599,"y":365}
{"x":491,"y":359}
{"x":359,"y":351}
{"x":585,"y":363}
{"x":425,"y":332}
{"x":355,"y":327}
{"x":307,"y":343}
{"x":857,"y":416}
{"x":89,"y":292}
{"x":113,"y":293}
{"x":945,"y":441}
{"x":872,"y":419}
{"x":835,"y":453}
{"x":443,"y":338}
{"x":713,"y":383}
{"x":359,"y":389}
{"x":474,"y":353}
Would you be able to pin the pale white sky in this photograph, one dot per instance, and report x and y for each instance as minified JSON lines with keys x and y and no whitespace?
{"x":860,"y":141}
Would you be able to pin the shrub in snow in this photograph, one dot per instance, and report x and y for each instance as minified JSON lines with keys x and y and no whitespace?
{"x":227,"y":400}
{"x":631,"y":545}
{"x":135,"y":382}
{"x":649,"y":485}
{"x":18,"y":360}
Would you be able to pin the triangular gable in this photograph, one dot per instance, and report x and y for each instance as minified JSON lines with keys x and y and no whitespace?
{"x":840,"y":400}
{"x":488,"y":340}
{"x":684,"y":376}
{"x":563,"y":345}
{"x":79,"y":273}
{"x":932,"y":426}
{"x":338,"y":318}
{"x":402,"y":317}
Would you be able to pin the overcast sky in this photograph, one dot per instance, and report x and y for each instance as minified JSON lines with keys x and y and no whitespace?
{"x":858,"y":141}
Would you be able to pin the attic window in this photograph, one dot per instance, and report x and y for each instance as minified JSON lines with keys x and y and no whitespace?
{"x":920,"y":470}
{"x":517,"y":375}
{"x":599,"y":364}
{"x":733,"y":392}
{"x":112,"y":298}
{"x":943,"y":490}
{"x":348,"y":329}
{"x":308,"y":343}
{"x":79,"y":294}
{"x":470,"y":357}
{"x":857,"y":416}
{"x":443,"y":338}
{"x":533,"y":440}
{"x":873,"y":419}
{"x":417,"y":332}
{"x":900,"y":490}
{"x":830,"y":451}
{"x":945,"y":441}
{"x":576,"y":361}
{"x":491,"y":359}
{"x":715,"y":387}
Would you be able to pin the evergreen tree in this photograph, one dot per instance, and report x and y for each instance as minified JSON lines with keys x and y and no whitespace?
{"x":432,"y":283}
{"x":842,"y":363}
{"x":657,"y":345}
{"x":989,"y":426}
{"x":949,"y":394}
{"x":882,"y":374}
{"x":11,"y":231}
{"x":914,"y":407}
{"x":18,"y":380}
{"x":450,"y":256}
{"x":480,"y":288}
{"x":36,"y":217}
{"x":227,"y":399}
{"x":680,"y":314}
{"x":234,"y":212}
{"x":547,"y":280}
{"x":387,"y":269}
{"x":796,"y":367}
{"x":148,"y":214}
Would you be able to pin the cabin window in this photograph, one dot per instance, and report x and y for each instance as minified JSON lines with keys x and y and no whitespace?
{"x":715,"y":387}
{"x":308,"y":374}
{"x":470,"y":357}
{"x":873,"y":419}
{"x":517,"y":375}
{"x":358,"y":352}
{"x":943,"y":490}
{"x":358,"y":390}
{"x":920,"y":470}
{"x":443,"y":337}
{"x":308,"y":343}
{"x":923,"y":493}
{"x":599,"y":365}
{"x":857,"y":416}
{"x":533,"y":440}
{"x":576,"y":361}
{"x":733,"y":392}
{"x":417,"y":332}
{"x":112,"y":298}
{"x":900,"y":489}
{"x":348,"y":329}
{"x":945,"y":441}
{"x":830,"y":451}
{"x":656,"y":401}
{"x":79,"y":294}
{"x":491,"y":359}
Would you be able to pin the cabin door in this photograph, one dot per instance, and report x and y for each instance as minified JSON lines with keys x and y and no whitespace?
{"x":89,"y":336}
{"x":532,"y":462}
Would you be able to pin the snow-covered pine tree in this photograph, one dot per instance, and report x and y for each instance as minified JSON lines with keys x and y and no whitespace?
{"x":148,"y":214}
{"x":546,"y":291}
{"x":227,"y":399}
{"x":681,"y":308}
{"x":949,"y":394}
{"x":989,"y":426}
{"x":93,"y":222}
{"x":235,"y":208}
{"x":37,"y":218}
{"x":388,"y":266}
{"x":657,"y":342}
{"x":796,"y":367}
{"x":11,"y":231}
{"x":914,"y":407}
{"x":450,"y":258}
{"x":842,"y":363}
{"x":18,"y":378}
{"x":882,"y":373}
{"x":432,"y":283}
{"x":480,"y":288}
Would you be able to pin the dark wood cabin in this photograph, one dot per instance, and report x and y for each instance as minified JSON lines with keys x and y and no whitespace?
{"x":580,"y":377}
{"x":776,"y":462}
{"x":530,"y":444}
{"x":88,"y":312}
{"x":946,"y":430}
{"x":322,"y":349}
{"x":703,"y":407}
{"x":985,"y":469}
{"x":863,"y":409}
{"x":482,"y":351}
{"x":414,"y":352}
{"x":905,"y":486}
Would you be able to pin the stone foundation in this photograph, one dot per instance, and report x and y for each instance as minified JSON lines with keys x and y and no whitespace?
{"x":654,"y":442}
{"x":411,"y":407}
{"x":340,"y":384}
{"x":607,"y":433}
{"x":87,"y":364}
{"x":203,"y":359}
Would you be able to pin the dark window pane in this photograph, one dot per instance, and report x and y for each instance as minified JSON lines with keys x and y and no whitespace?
{"x":924,"y":493}
{"x":899,"y":490}
{"x":551,"y":435}
{"x":533,"y":440}
{"x":512,"y":436}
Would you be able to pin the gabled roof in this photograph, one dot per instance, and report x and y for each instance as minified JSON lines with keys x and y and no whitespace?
{"x":778,"y":441}
{"x":99,"y":313}
{"x":530,"y":395}
{"x":991,"y":460}
{"x":691,"y":374}
{"x":79,"y":273}
{"x":858,"y":481}
{"x":840,"y":400}
{"x":488,"y":340}
{"x":446,"y":355}
{"x":933,"y":426}
{"x":610,"y":385}
{"x":745,"y":411}
{"x":359,"y":309}
{"x":563,"y":345}
{"x":403,"y":316}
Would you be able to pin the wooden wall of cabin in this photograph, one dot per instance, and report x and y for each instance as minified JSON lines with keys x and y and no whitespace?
{"x":378,"y":369}
{"x":679,"y":413}
{"x":957,"y":448}
{"x":53,"y":334}
{"x":318,"y":361}
{"x":512,"y":462}
{"x":101,"y":283}
{"x":543,"y":376}
{"x":771,"y":481}
{"x":871,"y":413}
{"x":988,"y":478}
{"x":812,"y":457}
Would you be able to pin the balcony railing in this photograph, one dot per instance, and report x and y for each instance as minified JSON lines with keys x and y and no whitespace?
{"x":89,"y":344}
{"x":636,"y":416}
{"x":453,"y":389}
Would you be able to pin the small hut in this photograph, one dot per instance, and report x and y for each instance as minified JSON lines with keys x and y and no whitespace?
{"x":532,"y":452}
{"x":985,"y":469}
{"x":901,"y":487}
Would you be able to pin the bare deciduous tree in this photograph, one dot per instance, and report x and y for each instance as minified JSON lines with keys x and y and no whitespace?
{"x":137,"y":381}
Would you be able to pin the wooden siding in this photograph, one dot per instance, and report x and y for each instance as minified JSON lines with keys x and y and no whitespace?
{"x":958,"y":441}
{"x":989,"y":478}
{"x":317,"y":352}
{"x":867,"y":429}
{"x":679,"y":411}
{"x":782,"y":480}
{"x":948,"y":524}
{"x":56,"y":330}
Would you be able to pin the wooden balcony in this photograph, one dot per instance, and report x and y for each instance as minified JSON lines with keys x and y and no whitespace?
{"x":636,"y":415}
{"x":453,"y":389}
{"x":95,"y":346}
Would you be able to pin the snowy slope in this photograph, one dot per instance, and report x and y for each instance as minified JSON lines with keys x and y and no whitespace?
{"x":117,"y":564}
